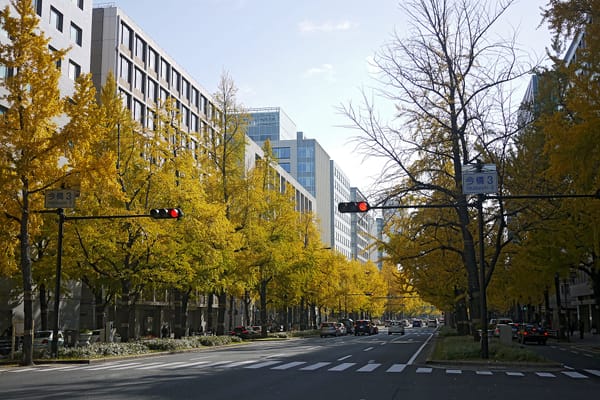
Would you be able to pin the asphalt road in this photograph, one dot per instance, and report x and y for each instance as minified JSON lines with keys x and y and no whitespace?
{"x":374,"y":367}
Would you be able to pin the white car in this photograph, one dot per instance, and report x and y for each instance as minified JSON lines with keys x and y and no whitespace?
{"x":396,"y":327}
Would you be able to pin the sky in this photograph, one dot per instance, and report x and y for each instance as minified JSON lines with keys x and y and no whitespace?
{"x":307,"y":57}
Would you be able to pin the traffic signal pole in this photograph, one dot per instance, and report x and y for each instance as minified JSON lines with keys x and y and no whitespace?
{"x":61,"y":221}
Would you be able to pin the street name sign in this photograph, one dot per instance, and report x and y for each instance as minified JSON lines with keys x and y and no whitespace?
{"x":60,"y":199}
{"x":479,"y":179}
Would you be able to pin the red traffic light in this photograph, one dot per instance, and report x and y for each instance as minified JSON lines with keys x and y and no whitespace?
{"x":354,"y":207}
{"x":166,"y":213}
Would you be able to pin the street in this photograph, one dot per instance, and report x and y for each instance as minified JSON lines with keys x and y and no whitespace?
{"x":365,"y":367}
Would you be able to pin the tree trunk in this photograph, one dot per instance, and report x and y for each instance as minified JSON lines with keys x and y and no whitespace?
{"x":27,"y":282}
{"x":43,"y":307}
{"x":221,"y":313}
{"x":209,"y":315}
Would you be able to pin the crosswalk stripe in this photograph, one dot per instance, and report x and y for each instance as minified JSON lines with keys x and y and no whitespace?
{"x":190,"y":365}
{"x":545,"y":374}
{"x":125,"y":366}
{"x":369,"y":367}
{"x":262,"y":364}
{"x":574,"y":374}
{"x":422,"y":370}
{"x":515,"y":374}
{"x":289,"y":365}
{"x":153,"y":365}
{"x":453,"y":371}
{"x":484,"y":373}
{"x":396,"y":368}
{"x":593,"y":371}
{"x":239,"y":363}
{"x":112,"y":366}
{"x":341,"y":367}
{"x":315,"y":366}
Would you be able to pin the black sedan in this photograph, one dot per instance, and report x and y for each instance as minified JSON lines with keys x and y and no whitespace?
{"x":532,"y":333}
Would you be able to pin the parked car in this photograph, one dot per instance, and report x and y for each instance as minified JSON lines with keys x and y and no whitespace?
{"x":340,"y":329}
{"x":396,"y":327}
{"x":329,"y":329}
{"x":365,"y":327}
{"x":432,"y":323}
{"x":349,"y":324}
{"x":43,"y":340}
{"x":532,"y":333}
{"x":244,"y":333}
{"x":417,"y":323}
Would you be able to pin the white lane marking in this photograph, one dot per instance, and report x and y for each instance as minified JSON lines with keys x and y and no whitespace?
{"x":484,"y":373}
{"x":593,"y":371}
{"x":341,"y":367}
{"x":453,"y":371}
{"x":178,"y":364}
{"x":314,"y":366}
{"x":368,"y":349}
{"x":344,"y":358}
{"x":263,"y":364}
{"x":396,"y":368}
{"x":423,"y":370}
{"x":414,"y":357}
{"x":369,"y":367}
{"x":289,"y":365}
{"x":574,"y":375}
{"x":515,"y":374}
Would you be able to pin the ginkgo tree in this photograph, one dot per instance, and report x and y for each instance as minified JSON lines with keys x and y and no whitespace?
{"x":37,"y":153}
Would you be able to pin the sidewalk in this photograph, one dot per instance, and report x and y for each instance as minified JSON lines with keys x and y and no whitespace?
{"x":590,"y":341}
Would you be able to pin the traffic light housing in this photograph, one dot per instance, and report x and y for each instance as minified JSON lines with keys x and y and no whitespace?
{"x":166,"y":213}
{"x":354,"y":207}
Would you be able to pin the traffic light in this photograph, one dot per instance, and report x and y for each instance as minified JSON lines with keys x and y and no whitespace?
{"x":354,"y":207}
{"x":166,"y":213}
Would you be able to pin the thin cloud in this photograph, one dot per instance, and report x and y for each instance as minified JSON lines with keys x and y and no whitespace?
{"x":324,"y":70}
{"x":328,"y":26}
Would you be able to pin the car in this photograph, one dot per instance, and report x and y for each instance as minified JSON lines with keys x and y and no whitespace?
{"x":432,"y":323}
{"x":328,"y":329}
{"x":340,"y":329}
{"x":417,"y":323}
{"x":365,"y":327}
{"x":244,"y":332}
{"x":532,"y":333}
{"x":43,"y":340}
{"x":396,"y":327}
{"x":349,"y":323}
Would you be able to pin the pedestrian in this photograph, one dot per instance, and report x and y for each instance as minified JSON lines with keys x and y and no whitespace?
{"x":165,"y":331}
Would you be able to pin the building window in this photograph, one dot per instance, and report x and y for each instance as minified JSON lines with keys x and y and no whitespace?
{"x":193,"y":122}
{"x":152,"y":90}
{"x":126,"y":36}
{"x":175,"y":79}
{"x":78,"y":3}
{"x":74,"y":70}
{"x":125,"y":70}
{"x":185,"y":115}
{"x":76,"y":34}
{"x":152,"y":60}
{"x":150,"y":117}
{"x":185,"y":89}
{"x":282,"y":153}
{"x":138,"y":111}
{"x":56,"y":19}
{"x":125,"y":98}
{"x":138,"y":81}
{"x":59,"y":61}
{"x":194,"y":99}
{"x":37,"y":6}
{"x":164,"y":70}
{"x":164,"y":95}
{"x":140,"y":48}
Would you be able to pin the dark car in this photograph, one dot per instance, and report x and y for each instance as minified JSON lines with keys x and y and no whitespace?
{"x":365,"y":327}
{"x":532,"y":333}
{"x":417,"y":323}
{"x":349,"y":323}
